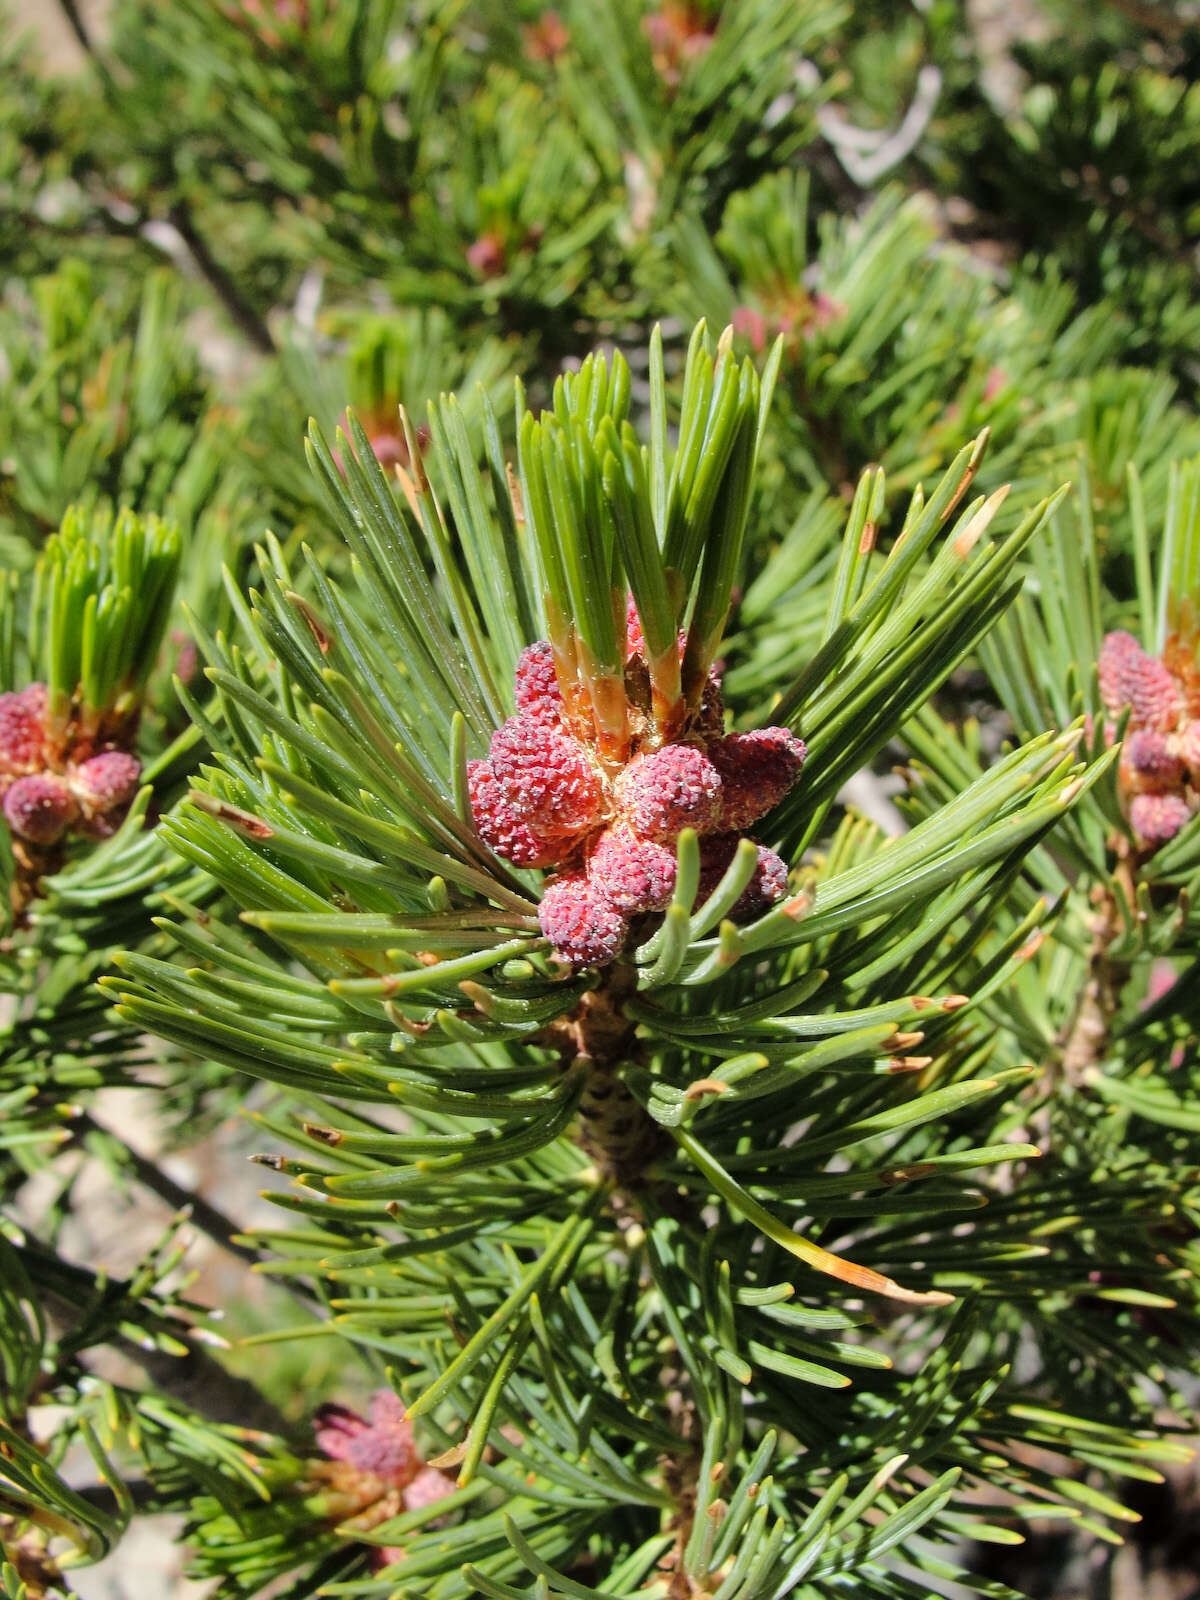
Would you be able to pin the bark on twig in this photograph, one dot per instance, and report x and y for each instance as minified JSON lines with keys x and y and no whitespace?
{"x":211,"y":1221}
{"x":1085,"y":1039}
{"x":218,"y":279}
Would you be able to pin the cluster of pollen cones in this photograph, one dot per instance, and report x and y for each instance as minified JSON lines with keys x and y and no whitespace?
{"x":52,"y":782}
{"x":1159,"y":773}
{"x":375,"y":1467}
{"x":544,"y":799}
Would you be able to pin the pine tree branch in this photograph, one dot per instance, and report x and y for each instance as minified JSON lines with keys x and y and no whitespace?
{"x":1085,"y":1040}
{"x":680,"y":1475}
{"x":869,"y":795}
{"x":199,"y":1381}
{"x":87,"y":43}
{"x":196,"y":1379}
{"x":218,"y":279}
{"x":615,"y":1129}
{"x":211,"y":1221}
{"x":140,"y":1491}
{"x":78,"y":27}
{"x":1102,"y":196}
{"x":1160,"y":18}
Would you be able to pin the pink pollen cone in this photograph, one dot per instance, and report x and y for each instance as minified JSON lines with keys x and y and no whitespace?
{"x":673,"y":788}
{"x":757,"y":770}
{"x":39,"y":808}
{"x":1158,"y":817}
{"x":384,"y":1445}
{"x":632,"y":874}
{"x":545,"y":777}
{"x":106,"y":782}
{"x":766,"y":888}
{"x":22,"y":731}
{"x":538,"y":696}
{"x":768,"y":885}
{"x":579,"y":922}
{"x":1130,"y":677}
{"x":499,"y":826}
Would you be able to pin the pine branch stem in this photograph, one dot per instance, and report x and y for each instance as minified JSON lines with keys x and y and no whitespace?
{"x":211,"y":1221}
{"x":140,"y":1491}
{"x":1148,"y":15}
{"x":219,"y":279}
{"x":74,"y":19}
{"x":624,"y":1141}
{"x":614,"y":1128}
{"x":196,"y":1379}
{"x":680,"y":1478}
{"x":1085,"y":1040}
{"x":830,"y":447}
{"x":199,"y":1381}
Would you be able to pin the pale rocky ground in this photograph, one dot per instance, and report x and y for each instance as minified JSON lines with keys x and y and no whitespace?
{"x":148,"y":1566}
{"x":114,"y":1228}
